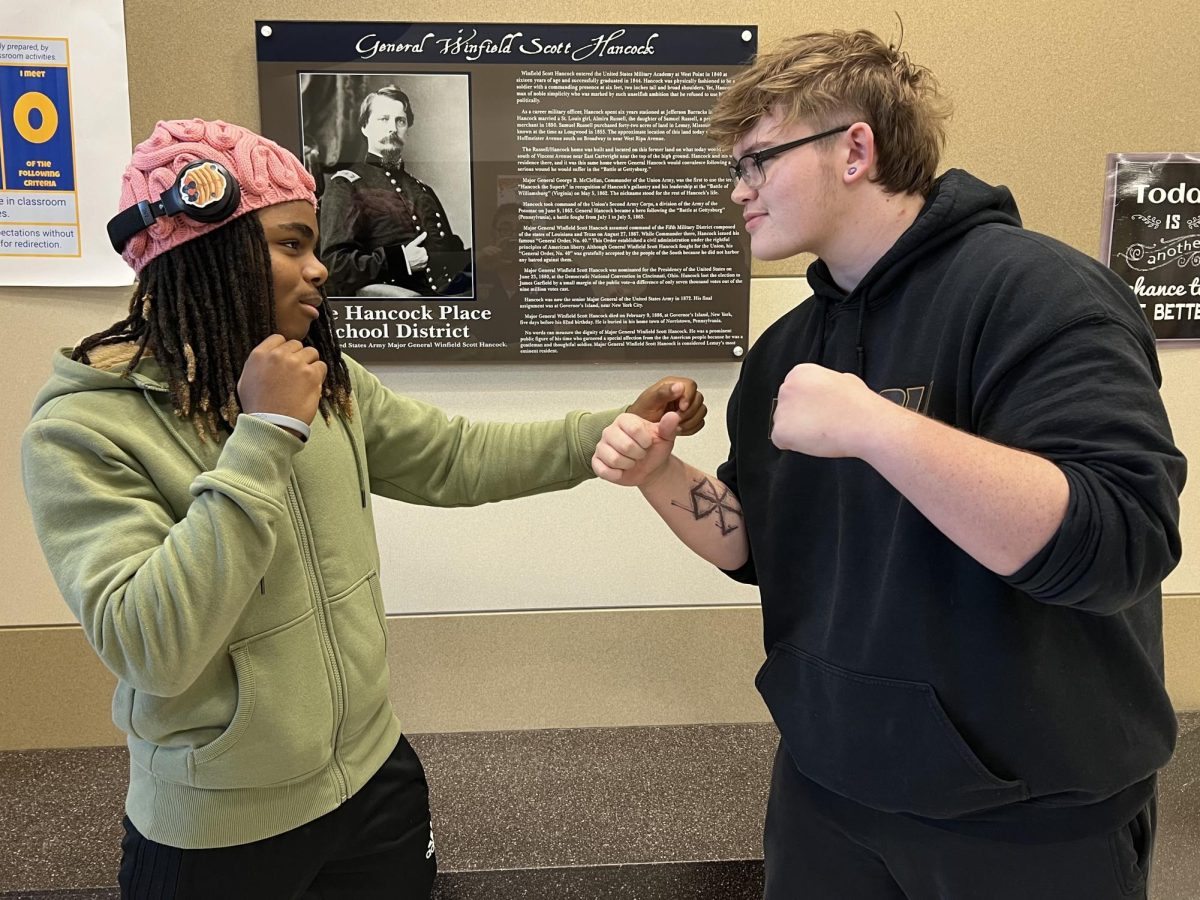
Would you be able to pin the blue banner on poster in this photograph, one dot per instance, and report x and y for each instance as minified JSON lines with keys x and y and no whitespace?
{"x":35,"y":127}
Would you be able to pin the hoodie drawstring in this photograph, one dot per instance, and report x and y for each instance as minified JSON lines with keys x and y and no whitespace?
{"x":860,"y":347}
{"x":817,"y":354}
{"x":358,"y":468}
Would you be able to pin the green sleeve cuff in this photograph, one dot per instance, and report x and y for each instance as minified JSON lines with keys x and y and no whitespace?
{"x":591,"y":427}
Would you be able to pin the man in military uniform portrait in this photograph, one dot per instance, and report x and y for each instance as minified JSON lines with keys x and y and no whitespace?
{"x":385,"y":233}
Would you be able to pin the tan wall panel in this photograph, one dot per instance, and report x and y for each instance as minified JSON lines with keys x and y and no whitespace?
{"x":500,"y":672}
{"x":456,"y":673}
{"x":1181,"y":629}
{"x":36,"y":321}
{"x":577,"y":669}
{"x":58,"y":692}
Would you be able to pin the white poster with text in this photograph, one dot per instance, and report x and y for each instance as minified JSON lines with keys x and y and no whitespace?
{"x":55,"y":197}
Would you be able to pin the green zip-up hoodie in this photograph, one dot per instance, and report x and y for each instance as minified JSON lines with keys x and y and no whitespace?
{"x":232,"y":586}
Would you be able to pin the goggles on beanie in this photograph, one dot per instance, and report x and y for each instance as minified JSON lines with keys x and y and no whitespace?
{"x":204,"y":190}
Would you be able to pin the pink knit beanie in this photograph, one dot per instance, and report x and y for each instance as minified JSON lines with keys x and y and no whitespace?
{"x":267,"y":174}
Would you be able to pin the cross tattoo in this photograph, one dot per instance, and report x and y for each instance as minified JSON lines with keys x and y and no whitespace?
{"x":706,"y":501}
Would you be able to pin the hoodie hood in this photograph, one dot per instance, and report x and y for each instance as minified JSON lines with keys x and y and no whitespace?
{"x":958,"y":202}
{"x":71,"y":377}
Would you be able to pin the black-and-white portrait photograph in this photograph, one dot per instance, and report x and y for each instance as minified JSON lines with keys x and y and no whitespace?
{"x":390,"y":153}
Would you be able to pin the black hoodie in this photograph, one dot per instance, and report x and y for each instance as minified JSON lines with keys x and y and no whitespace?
{"x":903,"y":674}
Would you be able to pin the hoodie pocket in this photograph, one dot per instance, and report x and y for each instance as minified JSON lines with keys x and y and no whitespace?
{"x":282,"y":728}
{"x":882,"y":742}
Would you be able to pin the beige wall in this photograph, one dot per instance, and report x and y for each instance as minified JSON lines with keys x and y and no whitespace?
{"x":1042,"y":92}
{"x":497,"y":672}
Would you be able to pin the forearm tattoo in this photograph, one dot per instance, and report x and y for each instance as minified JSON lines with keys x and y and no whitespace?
{"x":707,"y":499}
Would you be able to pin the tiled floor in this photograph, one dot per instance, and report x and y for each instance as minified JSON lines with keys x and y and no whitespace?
{"x":630,"y":813}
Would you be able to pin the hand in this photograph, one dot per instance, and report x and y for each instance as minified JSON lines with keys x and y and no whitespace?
{"x":415,"y":255}
{"x":633,"y":451}
{"x":672,"y":394}
{"x":825,"y":413}
{"x":282,"y":377}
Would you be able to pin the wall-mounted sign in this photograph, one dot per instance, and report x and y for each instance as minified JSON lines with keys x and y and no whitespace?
{"x":517,"y":192}
{"x":1151,"y":236}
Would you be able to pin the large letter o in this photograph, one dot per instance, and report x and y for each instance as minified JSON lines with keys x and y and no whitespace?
{"x":25,"y":105}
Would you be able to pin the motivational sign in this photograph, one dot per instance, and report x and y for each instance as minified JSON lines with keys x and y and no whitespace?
{"x":1152,"y":236}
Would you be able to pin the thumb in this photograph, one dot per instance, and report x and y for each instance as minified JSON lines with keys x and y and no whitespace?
{"x":664,"y":393}
{"x":418,"y":240}
{"x":668,"y":426}
{"x":671,"y":390}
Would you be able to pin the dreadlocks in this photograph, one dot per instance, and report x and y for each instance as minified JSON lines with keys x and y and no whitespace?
{"x":200,"y":308}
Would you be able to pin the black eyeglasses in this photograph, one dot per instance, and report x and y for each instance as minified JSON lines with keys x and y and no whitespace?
{"x":749,"y":167}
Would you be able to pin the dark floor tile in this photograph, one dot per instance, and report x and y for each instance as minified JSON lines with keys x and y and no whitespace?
{"x":735,"y":880}
{"x":1188,"y":722}
{"x":1176,"y":871}
{"x":98,"y":894}
{"x":527,"y":814}
{"x":580,"y":797}
{"x":60,"y":817}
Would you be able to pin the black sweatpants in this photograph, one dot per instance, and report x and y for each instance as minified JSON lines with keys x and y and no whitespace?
{"x":376,"y":845}
{"x":820,"y":846}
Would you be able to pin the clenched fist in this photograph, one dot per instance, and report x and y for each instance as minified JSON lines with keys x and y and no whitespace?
{"x":674,"y":393}
{"x":825,"y":413}
{"x":633,"y":451}
{"x":282,"y":377}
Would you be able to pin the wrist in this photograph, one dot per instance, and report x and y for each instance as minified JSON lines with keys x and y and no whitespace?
{"x":654,"y":479}
{"x":397,"y":261}
{"x":885,"y":428}
{"x":296,"y":427}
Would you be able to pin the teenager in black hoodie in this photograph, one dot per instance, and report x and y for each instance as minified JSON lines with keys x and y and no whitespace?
{"x":953,"y":479}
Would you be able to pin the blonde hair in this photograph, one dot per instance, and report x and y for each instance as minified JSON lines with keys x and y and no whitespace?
{"x":835,"y":78}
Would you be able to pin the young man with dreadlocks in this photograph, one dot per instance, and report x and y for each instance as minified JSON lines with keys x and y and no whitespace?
{"x":218,"y":547}
{"x":952,"y":477}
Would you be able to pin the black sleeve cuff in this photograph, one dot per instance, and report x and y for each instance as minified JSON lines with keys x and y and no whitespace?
{"x":397,"y":266}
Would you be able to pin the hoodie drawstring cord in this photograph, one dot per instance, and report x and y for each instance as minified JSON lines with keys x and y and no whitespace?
{"x":860,"y":348}
{"x":818,"y":353}
{"x":358,"y":468}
